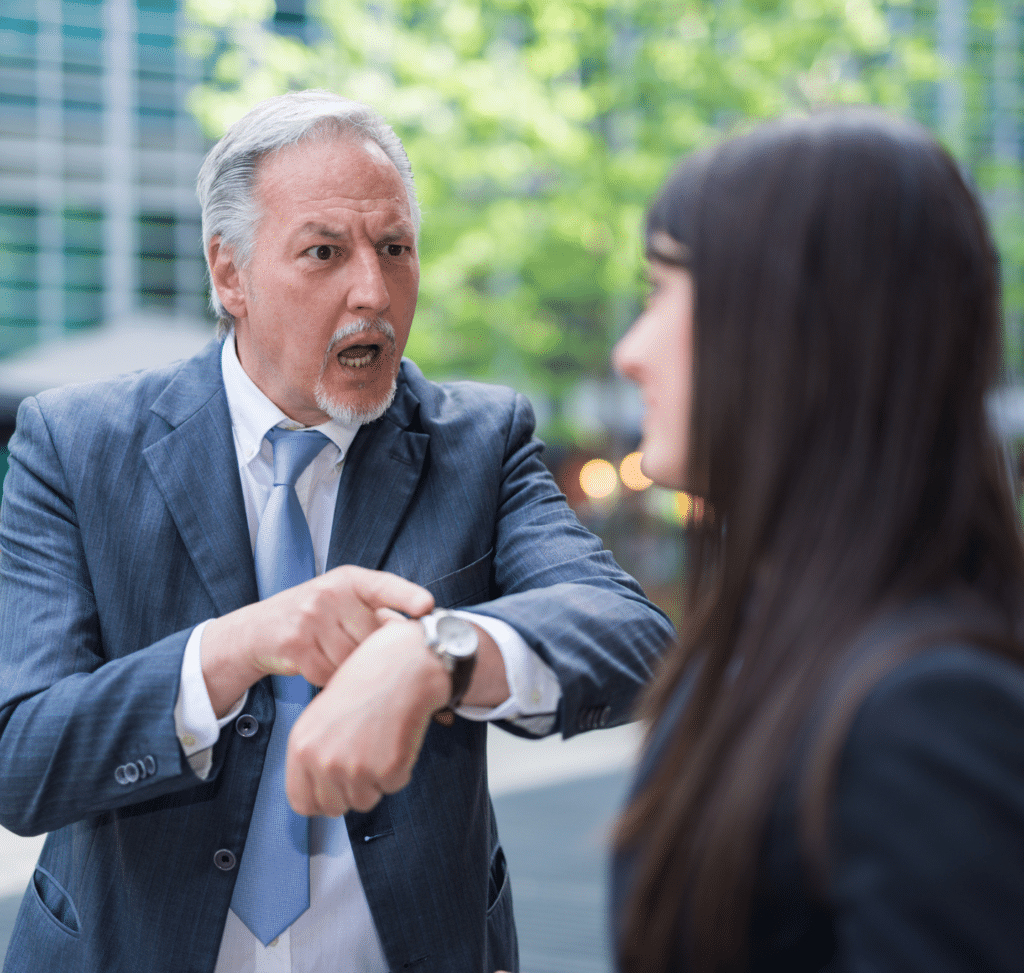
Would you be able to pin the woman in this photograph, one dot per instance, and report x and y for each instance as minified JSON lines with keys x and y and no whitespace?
{"x":834,"y":774}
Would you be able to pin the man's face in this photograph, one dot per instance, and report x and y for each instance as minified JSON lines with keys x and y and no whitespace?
{"x":333,"y":275}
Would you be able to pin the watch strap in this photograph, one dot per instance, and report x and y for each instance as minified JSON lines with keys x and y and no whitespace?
{"x":462,"y":673}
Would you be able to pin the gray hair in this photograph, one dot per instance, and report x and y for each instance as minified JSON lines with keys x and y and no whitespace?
{"x":227,"y":179}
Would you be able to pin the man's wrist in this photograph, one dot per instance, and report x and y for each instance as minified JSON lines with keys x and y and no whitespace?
{"x":454,"y":642}
{"x":227,"y":672}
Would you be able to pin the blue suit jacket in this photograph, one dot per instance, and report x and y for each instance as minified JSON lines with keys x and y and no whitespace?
{"x":123,"y":526}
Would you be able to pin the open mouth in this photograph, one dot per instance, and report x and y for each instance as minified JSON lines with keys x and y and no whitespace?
{"x":354,"y":345}
{"x":359,"y":356}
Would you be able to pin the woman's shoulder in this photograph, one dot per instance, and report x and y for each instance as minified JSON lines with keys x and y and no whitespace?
{"x":928,"y":823}
{"x":958,"y":693}
{"x":940,"y":736}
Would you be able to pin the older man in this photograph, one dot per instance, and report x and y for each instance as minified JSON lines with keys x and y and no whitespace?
{"x":188,"y":552}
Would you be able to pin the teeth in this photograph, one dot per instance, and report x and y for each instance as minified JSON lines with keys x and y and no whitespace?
{"x":361,"y":362}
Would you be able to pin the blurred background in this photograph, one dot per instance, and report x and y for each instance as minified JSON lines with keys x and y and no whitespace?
{"x":537,"y":132}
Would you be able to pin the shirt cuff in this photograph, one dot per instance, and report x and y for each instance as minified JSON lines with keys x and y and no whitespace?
{"x":533,"y":684}
{"x":195,"y":723}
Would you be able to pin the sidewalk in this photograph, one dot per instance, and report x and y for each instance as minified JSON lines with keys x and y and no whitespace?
{"x":554,"y":800}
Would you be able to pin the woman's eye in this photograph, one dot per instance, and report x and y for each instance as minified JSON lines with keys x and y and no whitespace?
{"x":323,"y":252}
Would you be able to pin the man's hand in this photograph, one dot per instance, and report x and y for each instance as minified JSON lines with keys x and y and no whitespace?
{"x":309,"y":629}
{"x":359,"y":739}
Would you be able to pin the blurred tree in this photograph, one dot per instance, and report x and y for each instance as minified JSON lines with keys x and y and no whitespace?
{"x":539,"y":130}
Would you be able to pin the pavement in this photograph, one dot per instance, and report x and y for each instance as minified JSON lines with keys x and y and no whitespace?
{"x":555,"y":802}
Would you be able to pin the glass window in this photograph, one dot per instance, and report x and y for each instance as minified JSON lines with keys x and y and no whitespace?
{"x":156,"y":280}
{"x":17,"y":266}
{"x":83,"y":307}
{"x":18,"y":306}
{"x":156,"y":235}
{"x":83,"y":87}
{"x":157,"y":259}
{"x":83,"y":13}
{"x":83,"y":50}
{"x":17,"y":226}
{"x":19,"y":9}
{"x":83,"y":270}
{"x":83,"y":230}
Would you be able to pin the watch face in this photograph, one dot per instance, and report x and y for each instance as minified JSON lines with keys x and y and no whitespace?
{"x":459,"y":637}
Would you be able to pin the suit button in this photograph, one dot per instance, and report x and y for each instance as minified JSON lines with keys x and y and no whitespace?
{"x":131,"y":773}
{"x":246,"y":725}
{"x":150,"y":765}
{"x":120,"y":776}
{"x":225,"y":860}
{"x":604,"y":716}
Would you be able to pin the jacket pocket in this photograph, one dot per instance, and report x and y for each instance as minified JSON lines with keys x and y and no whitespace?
{"x":55,"y":901}
{"x":470,"y":585}
{"x":502,"y":949}
{"x":497,"y":880}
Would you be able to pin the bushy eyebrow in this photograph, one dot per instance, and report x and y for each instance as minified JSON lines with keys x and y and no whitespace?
{"x":400,"y":232}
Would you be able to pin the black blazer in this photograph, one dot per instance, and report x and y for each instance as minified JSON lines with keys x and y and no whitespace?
{"x":927,"y":840}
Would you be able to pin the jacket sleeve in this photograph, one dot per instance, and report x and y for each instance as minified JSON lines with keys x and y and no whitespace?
{"x":80,"y":733}
{"x":929,"y":821}
{"x":573,"y":605}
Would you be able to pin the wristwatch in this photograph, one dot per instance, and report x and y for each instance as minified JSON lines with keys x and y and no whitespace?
{"x":454,"y":641}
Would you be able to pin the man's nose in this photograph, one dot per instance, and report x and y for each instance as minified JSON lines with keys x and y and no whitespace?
{"x":368,"y":290}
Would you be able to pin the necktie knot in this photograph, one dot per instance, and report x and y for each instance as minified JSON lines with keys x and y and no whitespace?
{"x":294,"y":450}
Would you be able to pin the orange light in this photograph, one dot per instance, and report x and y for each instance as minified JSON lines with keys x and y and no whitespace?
{"x":690,"y":509}
{"x":598,"y":479}
{"x":631,"y":474}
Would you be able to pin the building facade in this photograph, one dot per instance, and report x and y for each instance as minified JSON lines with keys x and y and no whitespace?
{"x":98,"y":158}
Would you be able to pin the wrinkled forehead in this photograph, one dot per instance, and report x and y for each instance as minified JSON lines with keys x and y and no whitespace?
{"x":340,"y":163}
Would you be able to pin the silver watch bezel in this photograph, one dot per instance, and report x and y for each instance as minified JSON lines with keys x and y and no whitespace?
{"x":449,"y":650}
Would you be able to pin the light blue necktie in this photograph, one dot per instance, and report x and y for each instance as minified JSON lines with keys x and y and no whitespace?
{"x":272,"y":889}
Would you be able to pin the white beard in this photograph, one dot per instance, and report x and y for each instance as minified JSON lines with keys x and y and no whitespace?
{"x":348,"y":415}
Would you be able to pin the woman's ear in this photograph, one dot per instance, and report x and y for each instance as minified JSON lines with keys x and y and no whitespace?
{"x":226,"y":278}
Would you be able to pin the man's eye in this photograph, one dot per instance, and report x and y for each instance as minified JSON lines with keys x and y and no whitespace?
{"x":323,"y":252}
{"x":396,"y":249}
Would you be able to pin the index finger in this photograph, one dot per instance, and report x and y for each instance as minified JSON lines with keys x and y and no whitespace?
{"x":381,"y":589}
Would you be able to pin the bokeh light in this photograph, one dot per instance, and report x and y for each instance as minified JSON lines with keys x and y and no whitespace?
{"x":632,"y":476}
{"x":689,"y":508}
{"x":598,"y":479}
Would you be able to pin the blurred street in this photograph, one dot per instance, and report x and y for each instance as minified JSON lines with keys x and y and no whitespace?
{"x":555,"y":802}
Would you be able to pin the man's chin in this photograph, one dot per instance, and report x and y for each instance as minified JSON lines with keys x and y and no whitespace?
{"x":354,"y":413}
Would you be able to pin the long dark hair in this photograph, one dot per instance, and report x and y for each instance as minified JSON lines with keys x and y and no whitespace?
{"x":846,"y":327}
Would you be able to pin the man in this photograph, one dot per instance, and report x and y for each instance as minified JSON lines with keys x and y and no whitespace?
{"x":163,"y":598}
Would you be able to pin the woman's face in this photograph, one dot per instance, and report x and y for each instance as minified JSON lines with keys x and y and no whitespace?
{"x":657,"y":354}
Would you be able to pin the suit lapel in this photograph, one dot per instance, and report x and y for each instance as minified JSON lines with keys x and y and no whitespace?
{"x":381,"y":472}
{"x":196,"y":471}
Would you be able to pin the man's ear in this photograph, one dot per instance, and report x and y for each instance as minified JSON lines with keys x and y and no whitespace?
{"x":226,"y":279}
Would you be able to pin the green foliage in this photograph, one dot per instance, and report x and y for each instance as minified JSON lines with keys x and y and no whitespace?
{"x":538,"y":131}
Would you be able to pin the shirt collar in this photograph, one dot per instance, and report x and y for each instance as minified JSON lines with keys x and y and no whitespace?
{"x":253,"y":414}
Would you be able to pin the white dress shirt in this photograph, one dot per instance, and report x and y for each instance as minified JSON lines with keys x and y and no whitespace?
{"x":337,"y":931}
